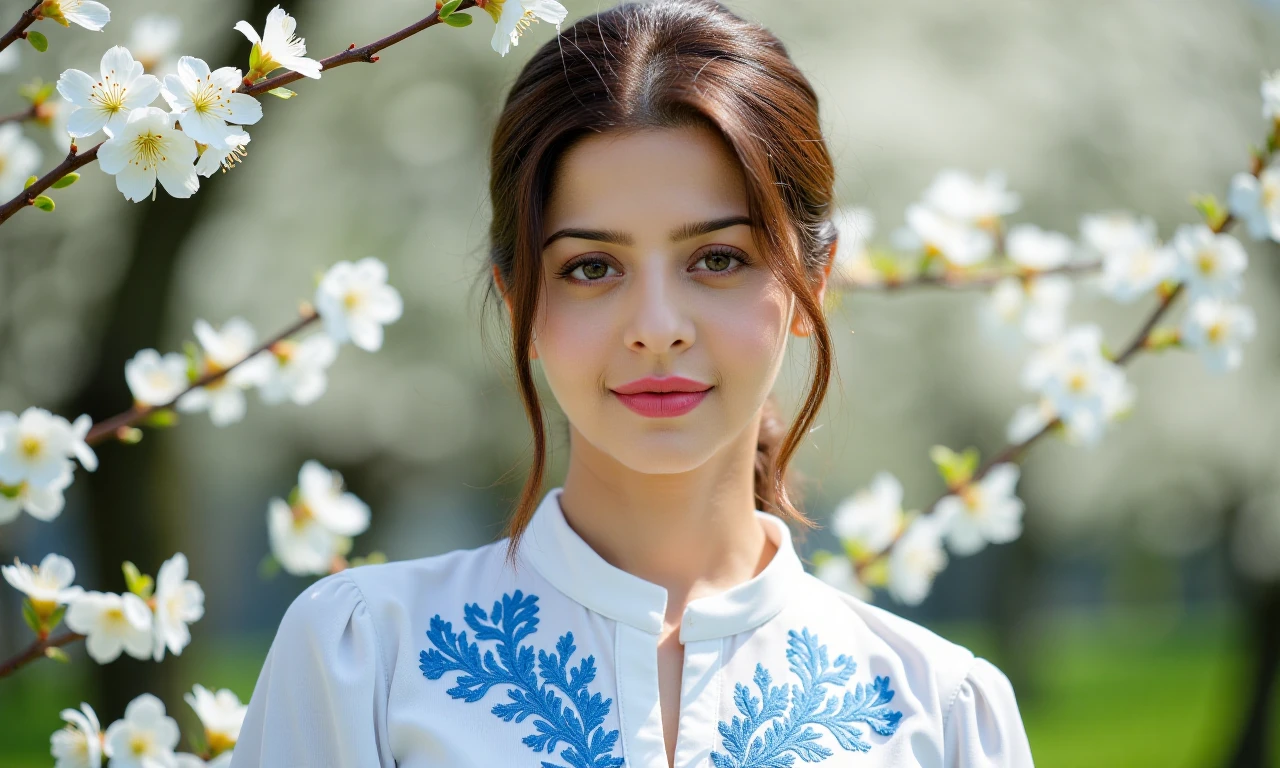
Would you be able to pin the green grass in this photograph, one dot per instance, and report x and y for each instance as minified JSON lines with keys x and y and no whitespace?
{"x":1113,"y":692}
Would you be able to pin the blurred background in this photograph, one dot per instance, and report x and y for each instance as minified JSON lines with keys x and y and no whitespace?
{"x":1139,"y":617}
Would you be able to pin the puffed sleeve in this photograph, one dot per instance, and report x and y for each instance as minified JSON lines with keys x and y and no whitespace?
{"x":321,"y":697}
{"x":984,"y":728}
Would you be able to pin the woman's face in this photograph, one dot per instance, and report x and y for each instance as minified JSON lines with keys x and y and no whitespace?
{"x":650,"y":270}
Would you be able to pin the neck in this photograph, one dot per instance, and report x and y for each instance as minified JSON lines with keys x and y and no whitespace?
{"x":693,"y":533}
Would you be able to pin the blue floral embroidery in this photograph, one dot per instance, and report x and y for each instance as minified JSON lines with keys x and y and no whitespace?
{"x":586,"y":743}
{"x":790,"y":733}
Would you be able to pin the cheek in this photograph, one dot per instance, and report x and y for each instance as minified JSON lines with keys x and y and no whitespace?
{"x":747,"y":331}
{"x":573,"y":342}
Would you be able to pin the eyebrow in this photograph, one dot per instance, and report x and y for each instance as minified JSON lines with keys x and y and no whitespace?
{"x":683,"y":232}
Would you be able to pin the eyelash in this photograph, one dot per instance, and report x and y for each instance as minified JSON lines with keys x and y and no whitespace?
{"x":733,"y":253}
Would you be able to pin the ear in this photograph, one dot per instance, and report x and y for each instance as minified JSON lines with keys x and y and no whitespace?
{"x":799,"y":324}
{"x":502,"y":289}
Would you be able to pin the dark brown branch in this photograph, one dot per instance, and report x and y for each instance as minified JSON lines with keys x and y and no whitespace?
{"x":21,"y":117}
{"x":36,"y":651}
{"x":19,"y":30}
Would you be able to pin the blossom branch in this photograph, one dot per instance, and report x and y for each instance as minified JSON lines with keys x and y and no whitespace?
{"x":1014,"y":452}
{"x":37,"y":650}
{"x":114,"y":425}
{"x":19,"y":30}
{"x":351,"y":55}
{"x":20,"y":117}
{"x":957,"y":279}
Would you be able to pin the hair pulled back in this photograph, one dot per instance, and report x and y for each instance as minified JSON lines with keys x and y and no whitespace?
{"x":668,"y":64}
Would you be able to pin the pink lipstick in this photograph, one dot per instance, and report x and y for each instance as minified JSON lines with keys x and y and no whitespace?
{"x":662,"y":397}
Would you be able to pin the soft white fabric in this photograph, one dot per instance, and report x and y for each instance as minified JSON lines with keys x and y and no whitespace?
{"x":460,"y":660}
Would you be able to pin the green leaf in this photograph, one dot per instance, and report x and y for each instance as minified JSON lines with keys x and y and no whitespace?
{"x":30,"y":616}
{"x":448,"y":8}
{"x":31,"y":180}
{"x":37,"y":40}
{"x":44,"y":203}
{"x":164,"y":417}
{"x":956,"y":468}
{"x":42,"y":95}
{"x":55,"y":618}
{"x":138,"y":583}
{"x":57,"y":654}
{"x":295,"y":496}
{"x":269,"y":567}
{"x":66,"y":181}
{"x":10,"y":491}
{"x":458,"y":20}
{"x":192,"y":351}
{"x":282,"y":92}
{"x":129,"y":435}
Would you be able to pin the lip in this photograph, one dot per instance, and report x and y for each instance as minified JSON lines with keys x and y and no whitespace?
{"x":662,"y":397}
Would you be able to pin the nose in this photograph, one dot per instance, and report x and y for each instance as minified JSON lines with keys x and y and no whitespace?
{"x":659,"y":318}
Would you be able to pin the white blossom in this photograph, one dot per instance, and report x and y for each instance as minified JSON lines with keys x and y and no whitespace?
{"x":1128,"y":275}
{"x":297,"y":370}
{"x":78,"y":744}
{"x":915,"y":560}
{"x":225,"y":158}
{"x":106,"y":101}
{"x":1255,"y":200}
{"x":19,"y":160}
{"x":224,"y":347}
{"x":47,"y":584}
{"x":179,"y":601}
{"x":221,"y":714}
{"x":9,"y":59}
{"x":1031,"y":308}
{"x":111,"y":623}
{"x":1218,"y":330}
{"x":1115,"y":231}
{"x":43,"y":502}
{"x":278,"y":46}
{"x":299,"y":542}
{"x":959,"y":242}
{"x":1271,"y":95}
{"x":354,"y":301}
{"x":839,"y":572}
{"x":1037,"y":249}
{"x":871,"y":517}
{"x":148,"y":148}
{"x":156,"y":380}
{"x":37,"y":446}
{"x":204,"y":102}
{"x":1211,"y":264}
{"x":1029,"y":419}
{"x":986,"y":511}
{"x":321,"y":491}
{"x":1084,"y":389}
{"x":852,"y":261}
{"x":89,"y":14}
{"x":513,"y":17}
{"x":152,"y":40}
{"x":977,"y":202}
{"x":145,"y":738}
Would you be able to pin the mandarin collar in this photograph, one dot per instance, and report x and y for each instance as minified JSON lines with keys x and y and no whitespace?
{"x":563,"y":558}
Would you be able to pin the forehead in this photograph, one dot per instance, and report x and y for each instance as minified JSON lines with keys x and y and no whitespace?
{"x":646,"y":181}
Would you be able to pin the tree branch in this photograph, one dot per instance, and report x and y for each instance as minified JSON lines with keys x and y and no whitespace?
{"x":19,"y":30}
{"x":36,"y":651}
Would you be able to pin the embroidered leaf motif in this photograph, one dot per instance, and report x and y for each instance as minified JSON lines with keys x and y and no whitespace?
{"x":788,"y":713}
{"x":574,"y":721}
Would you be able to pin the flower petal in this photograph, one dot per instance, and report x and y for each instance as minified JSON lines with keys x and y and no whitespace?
{"x":246,"y":29}
{"x":86,"y":121}
{"x":244,"y":109}
{"x":75,"y":86}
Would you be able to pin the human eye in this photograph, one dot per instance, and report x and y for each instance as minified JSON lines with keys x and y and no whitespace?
{"x":719,"y":259}
{"x":591,"y":268}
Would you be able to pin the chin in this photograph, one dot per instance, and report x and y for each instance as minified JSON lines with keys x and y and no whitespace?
{"x":667,"y":453}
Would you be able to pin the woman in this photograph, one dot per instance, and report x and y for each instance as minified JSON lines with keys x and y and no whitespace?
{"x":661,"y":199}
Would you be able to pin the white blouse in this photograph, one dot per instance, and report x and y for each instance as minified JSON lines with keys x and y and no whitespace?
{"x":458,"y":660}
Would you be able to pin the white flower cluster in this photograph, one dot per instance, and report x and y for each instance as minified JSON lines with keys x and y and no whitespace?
{"x":146,"y":736}
{"x":871,"y":523}
{"x":202,"y":130}
{"x":144,"y":622}
{"x":354,"y":302}
{"x":312,"y":531}
{"x":36,"y":449}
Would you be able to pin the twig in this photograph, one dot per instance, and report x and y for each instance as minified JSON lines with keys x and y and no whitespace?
{"x":349,"y":56}
{"x":111,"y":427}
{"x":19,"y":30}
{"x":36,"y":651}
{"x":20,"y":117}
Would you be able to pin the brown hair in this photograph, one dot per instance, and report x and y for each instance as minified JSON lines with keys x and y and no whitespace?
{"x":667,"y":64}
